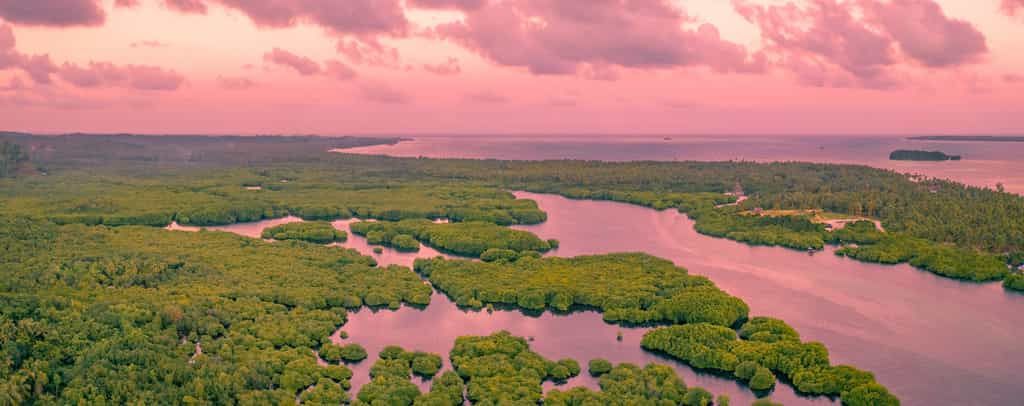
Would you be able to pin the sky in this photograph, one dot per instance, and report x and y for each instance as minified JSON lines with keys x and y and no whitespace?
{"x":336,"y":67}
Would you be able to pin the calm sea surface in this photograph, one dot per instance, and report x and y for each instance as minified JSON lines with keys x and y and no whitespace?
{"x":931,"y":340}
{"x":983,"y":164}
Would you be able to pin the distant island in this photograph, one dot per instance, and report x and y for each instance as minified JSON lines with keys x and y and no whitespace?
{"x":983,"y":138}
{"x":909,"y":155}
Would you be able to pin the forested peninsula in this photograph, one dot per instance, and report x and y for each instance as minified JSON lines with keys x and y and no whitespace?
{"x":100,"y":304}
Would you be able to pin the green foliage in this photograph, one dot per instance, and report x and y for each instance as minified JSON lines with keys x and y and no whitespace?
{"x":940,"y":259}
{"x":100,"y":315}
{"x":860,"y":232}
{"x":599,"y":366}
{"x":314,"y":232}
{"x":627,"y":384}
{"x":499,"y":254}
{"x":763,"y":379}
{"x":698,"y":397}
{"x":869,"y":395}
{"x":1014,"y":281}
{"x":426,"y":364}
{"x":352,"y":353}
{"x":916,"y":155}
{"x":633,"y":288}
{"x":768,"y":330}
{"x":768,"y":347}
{"x":446,"y":390}
{"x":501,"y":368}
{"x":765,"y":402}
{"x":470,"y":239}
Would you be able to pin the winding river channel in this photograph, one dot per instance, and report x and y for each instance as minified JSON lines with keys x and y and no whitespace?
{"x":931,"y":340}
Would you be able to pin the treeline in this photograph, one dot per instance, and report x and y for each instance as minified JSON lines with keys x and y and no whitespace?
{"x":100,"y":315}
{"x":11,"y":158}
{"x":915,"y":155}
{"x":314,"y":231}
{"x":469,"y":239}
{"x":765,"y":347}
{"x":627,"y":288}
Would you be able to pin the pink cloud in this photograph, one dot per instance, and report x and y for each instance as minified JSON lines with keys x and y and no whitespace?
{"x":561,"y":37}
{"x":38,"y":67}
{"x":1010,"y":7}
{"x":449,"y":4}
{"x":1013,"y":78}
{"x":148,"y":44}
{"x":449,"y":67}
{"x":379,"y":92}
{"x":304,"y":66}
{"x":53,"y":13}
{"x":187,"y":6}
{"x":105,"y":74}
{"x":858,"y":44}
{"x":126,"y":3}
{"x":233,"y":83}
{"x":340,"y":71}
{"x":348,"y":17}
{"x":924,"y":33}
{"x":368,"y":52}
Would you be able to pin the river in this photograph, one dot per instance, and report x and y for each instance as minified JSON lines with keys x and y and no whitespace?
{"x":929,"y":339}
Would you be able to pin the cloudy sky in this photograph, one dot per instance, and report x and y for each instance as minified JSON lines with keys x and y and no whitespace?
{"x":513,"y":66}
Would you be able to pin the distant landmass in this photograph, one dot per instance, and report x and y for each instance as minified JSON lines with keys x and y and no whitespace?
{"x":909,"y":155}
{"x":983,"y":138}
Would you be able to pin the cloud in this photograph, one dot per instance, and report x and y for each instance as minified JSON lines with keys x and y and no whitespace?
{"x":235,"y":83}
{"x":859,"y":43}
{"x":148,"y":44}
{"x":379,"y":92}
{"x":187,"y":6}
{"x":53,"y":13}
{"x":347,"y":17}
{"x":486,"y":97}
{"x":1010,"y":7}
{"x":560,"y":37}
{"x":450,"y":67}
{"x":37,"y":67}
{"x":924,"y":33}
{"x":448,"y":4}
{"x":340,"y":71}
{"x":304,"y":66}
{"x":105,"y":74}
{"x":126,"y":3}
{"x":1013,"y":78}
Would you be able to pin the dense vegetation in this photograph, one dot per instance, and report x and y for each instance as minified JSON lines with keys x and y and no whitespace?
{"x":314,"y":231}
{"x":1015,"y":281}
{"x":301,"y":179}
{"x":501,"y":369}
{"x":630,"y":288}
{"x":469,"y":239}
{"x":391,"y":384}
{"x":915,"y":155}
{"x":628,"y":384}
{"x":765,"y":346}
{"x":99,"y":315}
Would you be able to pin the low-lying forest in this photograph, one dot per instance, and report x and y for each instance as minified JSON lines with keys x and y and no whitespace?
{"x":100,"y":315}
{"x":470,"y":238}
{"x":628,"y":288}
{"x":98,"y":305}
{"x":944,"y":227}
{"x":314,"y":231}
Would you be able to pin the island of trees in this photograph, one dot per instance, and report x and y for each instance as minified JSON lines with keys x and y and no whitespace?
{"x":914,"y":155}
